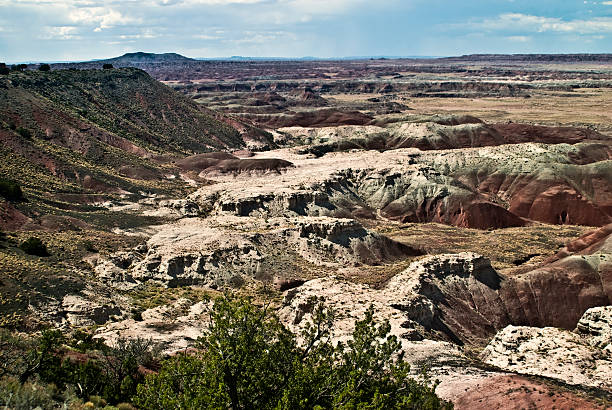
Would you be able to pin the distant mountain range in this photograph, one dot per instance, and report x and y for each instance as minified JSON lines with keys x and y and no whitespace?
{"x":142,"y":58}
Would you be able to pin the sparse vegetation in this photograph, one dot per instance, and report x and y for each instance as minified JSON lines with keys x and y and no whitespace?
{"x":125,"y":134}
{"x":127,"y":111}
{"x":248,"y":360}
{"x":18,"y":67}
{"x":53,"y":367}
{"x":10,"y":190}
{"x":24,"y":132}
{"x":34,"y":246}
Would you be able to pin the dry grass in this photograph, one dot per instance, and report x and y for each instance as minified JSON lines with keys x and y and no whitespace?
{"x":507,"y":248}
{"x":585,"y":107}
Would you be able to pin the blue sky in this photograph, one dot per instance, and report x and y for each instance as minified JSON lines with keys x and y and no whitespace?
{"x":64,"y":30}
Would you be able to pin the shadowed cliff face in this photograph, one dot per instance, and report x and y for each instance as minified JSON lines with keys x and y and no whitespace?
{"x":557,"y":293}
{"x":461,"y":298}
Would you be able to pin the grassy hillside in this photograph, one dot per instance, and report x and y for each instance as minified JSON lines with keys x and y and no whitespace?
{"x":70,"y":139}
{"x":124,"y":102}
{"x":66,"y":134}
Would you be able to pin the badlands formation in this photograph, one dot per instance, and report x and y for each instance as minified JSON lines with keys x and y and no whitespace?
{"x":306,"y":226}
{"x":475,"y":216}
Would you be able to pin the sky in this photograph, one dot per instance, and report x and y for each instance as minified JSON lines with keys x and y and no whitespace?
{"x":80,"y":30}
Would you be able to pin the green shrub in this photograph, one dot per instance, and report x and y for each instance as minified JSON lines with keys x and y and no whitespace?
{"x":89,"y":246}
{"x":44,"y":67}
{"x":4,"y":70}
{"x":10,"y":190}
{"x":99,"y":373}
{"x":107,"y":66}
{"x":15,"y":395}
{"x":97,"y":401}
{"x":19,"y":67}
{"x":34,"y":246}
{"x":249,"y":360}
{"x":24,"y":132}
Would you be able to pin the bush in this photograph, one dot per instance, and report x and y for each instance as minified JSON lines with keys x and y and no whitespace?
{"x":24,"y":132}
{"x":107,"y":66}
{"x":19,"y":67}
{"x":89,"y":368}
{"x":4,"y":70}
{"x":34,"y":246}
{"x":249,"y":360}
{"x":89,"y":246}
{"x":10,"y":190}
{"x":15,"y":395}
{"x":44,"y":67}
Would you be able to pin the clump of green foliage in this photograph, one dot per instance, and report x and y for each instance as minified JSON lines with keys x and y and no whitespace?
{"x":38,"y":371}
{"x":10,"y":190}
{"x":44,"y":67}
{"x":107,"y":66}
{"x":34,"y":246}
{"x":24,"y":132}
{"x":4,"y":70}
{"x":245,"y":360}
{"x":249,"y":360}
{"x":19,"y":67}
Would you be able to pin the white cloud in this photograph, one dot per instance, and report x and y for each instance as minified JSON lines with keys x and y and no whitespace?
{"x":519,"y":39}
{"x":210,"y":2}
{"x":528,"y":23}
{"x":59,"y":33}
{"x":251,"y":37}
{"x":207,"y":37}
{"x":607,"y":3}
{"x":144,"y":34}
{"x":101,"y":17}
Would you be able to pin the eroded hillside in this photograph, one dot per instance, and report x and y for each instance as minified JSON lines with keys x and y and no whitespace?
{"x":483,"y":239}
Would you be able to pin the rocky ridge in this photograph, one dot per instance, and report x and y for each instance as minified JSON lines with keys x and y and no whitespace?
{"x":233,"y":250}
{"x":487,"y":187}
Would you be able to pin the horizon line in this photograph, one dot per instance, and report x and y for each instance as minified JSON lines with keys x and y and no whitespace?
{"x":305,"y":58}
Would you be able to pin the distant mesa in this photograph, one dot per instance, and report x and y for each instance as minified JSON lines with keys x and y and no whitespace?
{"x":148,"y":58}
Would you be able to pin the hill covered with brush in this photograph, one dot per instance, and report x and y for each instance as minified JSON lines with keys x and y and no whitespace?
{"x":67,"y":132}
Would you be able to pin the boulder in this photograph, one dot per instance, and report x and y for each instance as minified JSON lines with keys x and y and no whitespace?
{"x":596,"y":323}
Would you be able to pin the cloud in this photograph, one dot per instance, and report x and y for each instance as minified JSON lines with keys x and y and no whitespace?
{"x":519,"y":39}
{"x":207,"y":37}
{"x":84,"y":29}
{"x":517,"y":22}
{"x":251,"y":37}
{"x":60,"y":33}
{"x":101,"y":17}
{"x":144,"y":34}
{"x":208,"y":2}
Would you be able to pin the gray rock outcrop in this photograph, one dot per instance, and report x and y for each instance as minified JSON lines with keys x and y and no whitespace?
{"x":596,"y":323}
{"x":550,"y":352}
{"x":230,"y":250}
